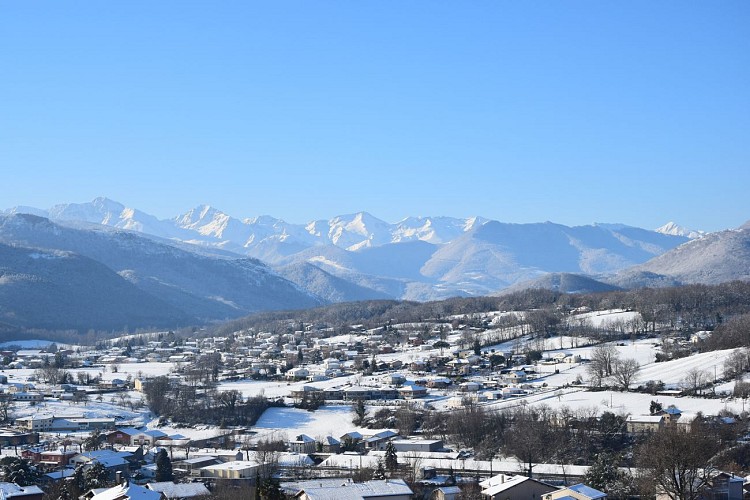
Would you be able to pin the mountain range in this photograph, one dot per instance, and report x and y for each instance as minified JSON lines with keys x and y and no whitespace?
{"x":208,"y":265}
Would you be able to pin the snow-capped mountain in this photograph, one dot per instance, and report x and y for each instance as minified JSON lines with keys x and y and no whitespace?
{"x":677,"y":230}
{"x":419,"y":258}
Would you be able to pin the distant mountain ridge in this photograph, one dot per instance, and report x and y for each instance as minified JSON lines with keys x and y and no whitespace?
{"x":417,"y":258}
{"x":715,"y":258}
{"x":193,"y":288}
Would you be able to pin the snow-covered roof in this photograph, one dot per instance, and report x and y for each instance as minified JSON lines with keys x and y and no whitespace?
{"x":501,"y":482}
{"x":9,"y":490}
{"x":304,"y":438}
{"x":588,"y":491}
{"x":127,"y":491}
{"x":653,"y":419}
{"x":357,"y":491}
{"x":179,"y":490}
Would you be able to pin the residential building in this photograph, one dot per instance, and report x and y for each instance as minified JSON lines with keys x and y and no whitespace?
{"x":644,"y":423}
{"x":407,"y":445}
{"x":179,"y":491}
{"x":392,"y":489}
{"x":35,"y":423}
{"x":237,"y":469}
{"x":124,"y":491}
{"x":303,"y":444}
{"x":577,"y":492}
{"x":11,"y":491}
{"x":507,"y":487}
{"x":331,"y":445}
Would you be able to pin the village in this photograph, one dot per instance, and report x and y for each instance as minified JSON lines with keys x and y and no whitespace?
{"x":312,"y":408}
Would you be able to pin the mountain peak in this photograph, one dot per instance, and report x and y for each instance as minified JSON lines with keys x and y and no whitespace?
{"x":674,"y":229}
{"x":198,"y":215}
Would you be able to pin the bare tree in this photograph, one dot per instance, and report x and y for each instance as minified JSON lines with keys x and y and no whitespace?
{"x":677,"y":463}
{"x":625,"y":371}
{"x":694,"y":380}
{"x":6,"y":406}
{"x":736,"y":364}
{"x":602,"y":363}
{"x":529,"y":438}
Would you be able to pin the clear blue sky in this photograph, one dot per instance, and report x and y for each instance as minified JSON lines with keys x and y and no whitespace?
{"x":575,"y":112}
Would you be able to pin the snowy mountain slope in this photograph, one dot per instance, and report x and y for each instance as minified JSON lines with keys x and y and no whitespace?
{"x":207,"y":288}
{"x":416,"y":258}
{"x":562,"y":282}
{"x":61,"y":290}
{"x":714,"y":258}
{"x":327,"y":286}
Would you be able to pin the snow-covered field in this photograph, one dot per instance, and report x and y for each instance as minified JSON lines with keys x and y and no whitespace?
{"x":328,"y":420}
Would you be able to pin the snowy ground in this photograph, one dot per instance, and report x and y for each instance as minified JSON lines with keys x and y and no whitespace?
{"x":626,"y":403}
{"x":326,"y":421}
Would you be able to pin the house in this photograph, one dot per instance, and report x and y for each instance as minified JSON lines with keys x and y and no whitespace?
{"x":671,"y":414}
{"x":331,"y":445}
{"x":35,"y":423}
{"x":503,"y":486}
{"x":380,"y":440}
{"x":33,"y":397}
{"x":134,"y":437}
{"x":644,"y":423}
{"x":237,"y":469}
{"x":516,"y":377}
{"x":54,"y":458}
{"x":222,"y":455}
{"x":179,"y":491}
{"x":11,"y":437}
{"x":124,"y":491}
{"x":469,"y":386}
{"x":726,"y":486}
{"x":58,"y":475}
{"x":438,"y":383}
{"x":303,"y":444}
{"x":297,"y":374}
{"x":446,"y":493}
{"x":392,"y":489}
{"x":412,"y":392}
{"x":193,"y":465}
{"x":113,"y":461}
{"x":407,"y":445}
{"x":576,"y":492}
{"x":11,"y":491}
{"x":720,"y":485}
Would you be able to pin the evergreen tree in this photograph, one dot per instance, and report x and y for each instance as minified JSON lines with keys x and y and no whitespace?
{"x":163,"y":467}
{"x":19,"y":471}
{"x":655,"y":407}
{"x":95,"y":476}
{"x":94,"y":441}
{"x":270,"y":489}
{"x":360,"y":412}
{"x":391,"y":460}
{"x":78,"y":483}
{"x":604,"y":475}
{"x":379,"y":471}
